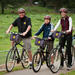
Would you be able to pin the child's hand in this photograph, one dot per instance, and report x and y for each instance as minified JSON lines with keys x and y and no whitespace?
{"x":34,"y":37}
{"x":52,"y":30}
{"x":49,"y":38}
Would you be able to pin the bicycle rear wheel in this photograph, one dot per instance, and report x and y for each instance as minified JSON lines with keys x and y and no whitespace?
{"x":47,"y":60}
{"x":10,"y":60}
{"x":36,"y":62}
{"x":54,"y":60}
{"x":73,"y":54}
{"x":25,"y":59}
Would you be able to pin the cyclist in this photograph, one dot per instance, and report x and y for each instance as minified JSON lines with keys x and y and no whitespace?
{"x":24,"y":26}
{"x":66,"y":26}
{"x":46,"y":29}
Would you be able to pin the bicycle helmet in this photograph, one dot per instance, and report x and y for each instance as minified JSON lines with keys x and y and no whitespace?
{"x":47,"y":17}
{"x":21,"y":10}
{"x":63,"y":10}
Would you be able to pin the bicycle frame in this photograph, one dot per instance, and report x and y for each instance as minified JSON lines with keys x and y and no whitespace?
{"x":43,"y":53}
{"x":16,"y":50}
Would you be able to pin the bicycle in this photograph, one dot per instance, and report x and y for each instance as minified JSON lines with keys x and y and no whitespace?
{"x":56,"y":54}
{"x":41,"y":54}
{"x":14,"y":56}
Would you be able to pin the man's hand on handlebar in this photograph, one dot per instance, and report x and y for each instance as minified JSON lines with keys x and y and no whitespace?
{"x":23,"y":34}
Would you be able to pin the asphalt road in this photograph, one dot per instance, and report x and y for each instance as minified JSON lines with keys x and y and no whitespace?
{"x":43,"y":71}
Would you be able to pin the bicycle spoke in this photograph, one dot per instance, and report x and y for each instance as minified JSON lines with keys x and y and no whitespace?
{"x":25,"y":60}
{"x":10,"y":60}
{"x":36,"y":62}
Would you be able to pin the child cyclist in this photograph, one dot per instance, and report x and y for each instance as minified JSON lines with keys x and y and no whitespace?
{"x":46,"y":28}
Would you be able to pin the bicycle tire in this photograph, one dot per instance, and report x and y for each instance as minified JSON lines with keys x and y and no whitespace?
{"x":25,"y":59}
{"x":38,"y":63}
{"x":56,"y":56}
{"x":10,"y":53}
{"x":73,"y":54}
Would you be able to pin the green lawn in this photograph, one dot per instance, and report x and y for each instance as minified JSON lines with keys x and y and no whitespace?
{"x":36,"y":14}
{"x":69,"y":73}
{"x":15,"y":69}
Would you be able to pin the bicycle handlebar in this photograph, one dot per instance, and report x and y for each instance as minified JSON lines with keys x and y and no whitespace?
{"x":46,"y":39}
{"x":15,"y":33}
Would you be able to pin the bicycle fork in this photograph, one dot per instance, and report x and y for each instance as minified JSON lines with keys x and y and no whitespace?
{"x":17,"y":56}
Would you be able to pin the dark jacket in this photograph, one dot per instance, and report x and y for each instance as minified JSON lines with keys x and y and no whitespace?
{"x":46,"y":29}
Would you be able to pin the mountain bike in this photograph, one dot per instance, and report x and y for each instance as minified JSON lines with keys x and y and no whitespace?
{"x":56,"y":54}
{"x":41,"y":55}
{"x":14,"y":57}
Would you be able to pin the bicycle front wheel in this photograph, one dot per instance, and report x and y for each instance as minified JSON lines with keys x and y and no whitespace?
{"x":54,"y":60}
{"x":10,"y":60}
{"x":36,"y":62}
{"x":25,"y":59}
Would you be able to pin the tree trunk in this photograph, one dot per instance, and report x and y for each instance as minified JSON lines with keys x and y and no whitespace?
{"x":44,"y":3}
{"x":2,"y":7}
{"x":30,"y":2}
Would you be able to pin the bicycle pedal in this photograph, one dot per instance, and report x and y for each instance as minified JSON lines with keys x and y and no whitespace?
{"x":16,"y":57}
{"x":42,"y":62}
{"x":18,"y":60}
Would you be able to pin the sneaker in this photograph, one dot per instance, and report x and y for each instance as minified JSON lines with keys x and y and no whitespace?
{"x":18,"y":60}
{"x":52,"y":66}
{"x":61,"y":67}
{"x":69,"y":67}
{"x":30,"y":66}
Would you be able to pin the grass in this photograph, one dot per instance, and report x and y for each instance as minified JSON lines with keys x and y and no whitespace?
{"x":15,"y":69}
{"x":69,"y":73}
{"x":2,"y":73}
{"x":36,"y":14}
{"x":37,"y":20}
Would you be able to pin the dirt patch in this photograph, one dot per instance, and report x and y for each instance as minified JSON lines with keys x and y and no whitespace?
{"x":64,"y":70}
{"x":2,"y":67}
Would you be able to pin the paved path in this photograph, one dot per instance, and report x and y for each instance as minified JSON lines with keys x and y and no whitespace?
{"x":43,"y":71}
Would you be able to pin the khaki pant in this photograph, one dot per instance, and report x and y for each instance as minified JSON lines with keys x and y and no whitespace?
{"x":27,"y":43}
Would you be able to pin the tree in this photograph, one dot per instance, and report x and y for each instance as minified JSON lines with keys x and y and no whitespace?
{"x":4,"y":3}
{"x":58,"y":3}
